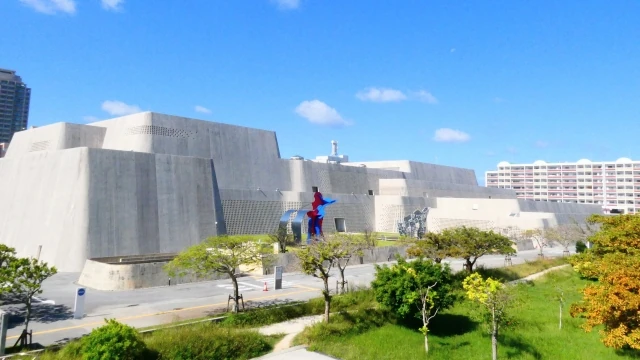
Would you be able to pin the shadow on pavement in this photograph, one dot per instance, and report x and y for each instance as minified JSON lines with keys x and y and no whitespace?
{"x":40,"y":313}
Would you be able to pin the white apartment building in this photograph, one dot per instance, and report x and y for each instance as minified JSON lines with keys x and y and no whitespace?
{"x":613,"y":184}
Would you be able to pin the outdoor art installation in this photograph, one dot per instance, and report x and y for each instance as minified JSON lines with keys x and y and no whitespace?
{"x":316,"y":216}
{"x":415,"y":224}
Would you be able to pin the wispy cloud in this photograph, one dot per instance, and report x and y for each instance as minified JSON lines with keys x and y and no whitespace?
{"x":541,"y":144}
{"x":425,"y":96}
{"x":119,"y":108}
{"x":382,"y":95}
{"x":375,"y":94}
{"x":317,"y":112}
{"x":51,"y":6}
{"x":451,"y":135}
{"x":90,"y":119}
{"x":287,"y":4}
{"x":202,"y":109}
{"x":112,"y":5}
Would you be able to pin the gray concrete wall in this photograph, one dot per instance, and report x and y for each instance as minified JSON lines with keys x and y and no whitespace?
{"x":45,"y":200}
{"x":420,"y":188}
{"x":57,"y":136}
{"x":259,"y":211}
{"x":147,"y":203}
{"x":113,"y":277}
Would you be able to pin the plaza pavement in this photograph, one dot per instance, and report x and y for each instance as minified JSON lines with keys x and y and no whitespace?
{"x":53,"y":322}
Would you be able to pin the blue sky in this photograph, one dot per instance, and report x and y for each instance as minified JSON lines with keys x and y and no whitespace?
{"x":461,"y":83}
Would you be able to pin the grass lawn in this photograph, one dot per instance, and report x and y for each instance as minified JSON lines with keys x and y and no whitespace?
{"x":454,"y":334}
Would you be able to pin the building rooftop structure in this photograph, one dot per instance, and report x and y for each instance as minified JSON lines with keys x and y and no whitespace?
{"x":152,"y":183}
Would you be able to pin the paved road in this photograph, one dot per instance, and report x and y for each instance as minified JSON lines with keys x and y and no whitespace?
{"x":53,"y":321}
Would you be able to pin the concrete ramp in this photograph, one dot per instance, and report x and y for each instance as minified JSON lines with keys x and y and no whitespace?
{"x":295,"y":353}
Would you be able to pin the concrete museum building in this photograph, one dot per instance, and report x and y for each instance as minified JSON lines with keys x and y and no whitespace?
{"x":150,"y":183}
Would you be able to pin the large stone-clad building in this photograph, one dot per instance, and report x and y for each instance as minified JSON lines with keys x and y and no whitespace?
{"x":151,"y":183}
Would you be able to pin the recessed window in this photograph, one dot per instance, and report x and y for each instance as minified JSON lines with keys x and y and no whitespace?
{"x":314,"y":189}
{"x":370,"y":192}
{"x":341,"y":225}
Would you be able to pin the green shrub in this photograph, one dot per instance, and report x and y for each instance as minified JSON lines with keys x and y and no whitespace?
{"x":581,"y":246}
{"x":207,"y":341}
{"x":112,"y":341}
{"x":397,"y":287}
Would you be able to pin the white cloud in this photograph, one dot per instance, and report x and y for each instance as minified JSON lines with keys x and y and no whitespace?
{"x":541,"y":144}
{"x":287,"y":4}
{"x":118,"y":108}
{"x":425,"y":96}
{"x":202,"y":109}
{"x":450,"y":135}
{"x":320,"y":113}
{"x":51,"y":6}
{"x":381,"y":95}
{"x":113,"y":5}
{"x":90,"y":119}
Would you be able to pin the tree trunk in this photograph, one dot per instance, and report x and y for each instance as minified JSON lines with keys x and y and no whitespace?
{"x":236,"y":293}
{"x":437,"y":260}
{"x":327,"y":299}
{"x":494,"y":336}
{"x":560,"y":325}
{"x":469,"y":264}
{"x":426,"y":343}
{"x":341,"y":279}
{"x":28,"y":315}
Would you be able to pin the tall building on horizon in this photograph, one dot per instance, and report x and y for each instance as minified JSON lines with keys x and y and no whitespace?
{"x":14,"y":104}
{"x":615,"y":185}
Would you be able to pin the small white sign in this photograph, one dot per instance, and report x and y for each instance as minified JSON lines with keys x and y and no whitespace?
{"x":78,"y":309}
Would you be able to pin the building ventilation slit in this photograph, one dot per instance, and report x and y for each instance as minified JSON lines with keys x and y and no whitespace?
{"x":160,"y":131}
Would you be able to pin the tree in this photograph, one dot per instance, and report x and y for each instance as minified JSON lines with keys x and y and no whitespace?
{"x":348,"y":246}
{"x":419,"y":289}
{"x":586,"y":230}
{"x":317,"y":260}
{"x":560,"y":299}
{"x":433,"y":246}
{"x":612,"y":301}
{"x":221,"y":254}
{"x":282,"y":237}
{"x":538,"y":237}
{"x":494,"y":298}
{"x":565,"y":235}
{"x":27,"y":275}
{"x":398,"y":287}
{"x":369,"y":239}
{"x":470,"y":243}
{"x":426,"y":305}
{"x":7,"y":256}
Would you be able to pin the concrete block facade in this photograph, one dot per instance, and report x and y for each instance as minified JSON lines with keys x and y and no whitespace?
{"x":152,"y":183}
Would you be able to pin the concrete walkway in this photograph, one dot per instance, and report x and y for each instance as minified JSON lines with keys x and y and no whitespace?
{"x":538,"y":274}
{"x":291,"y":328}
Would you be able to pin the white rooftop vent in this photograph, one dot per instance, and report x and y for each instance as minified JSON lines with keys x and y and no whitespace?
{"x":623,"y":160}
{"x":539,"y":162}
{"x":503,"y":163}
{"x":584,"y":161}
